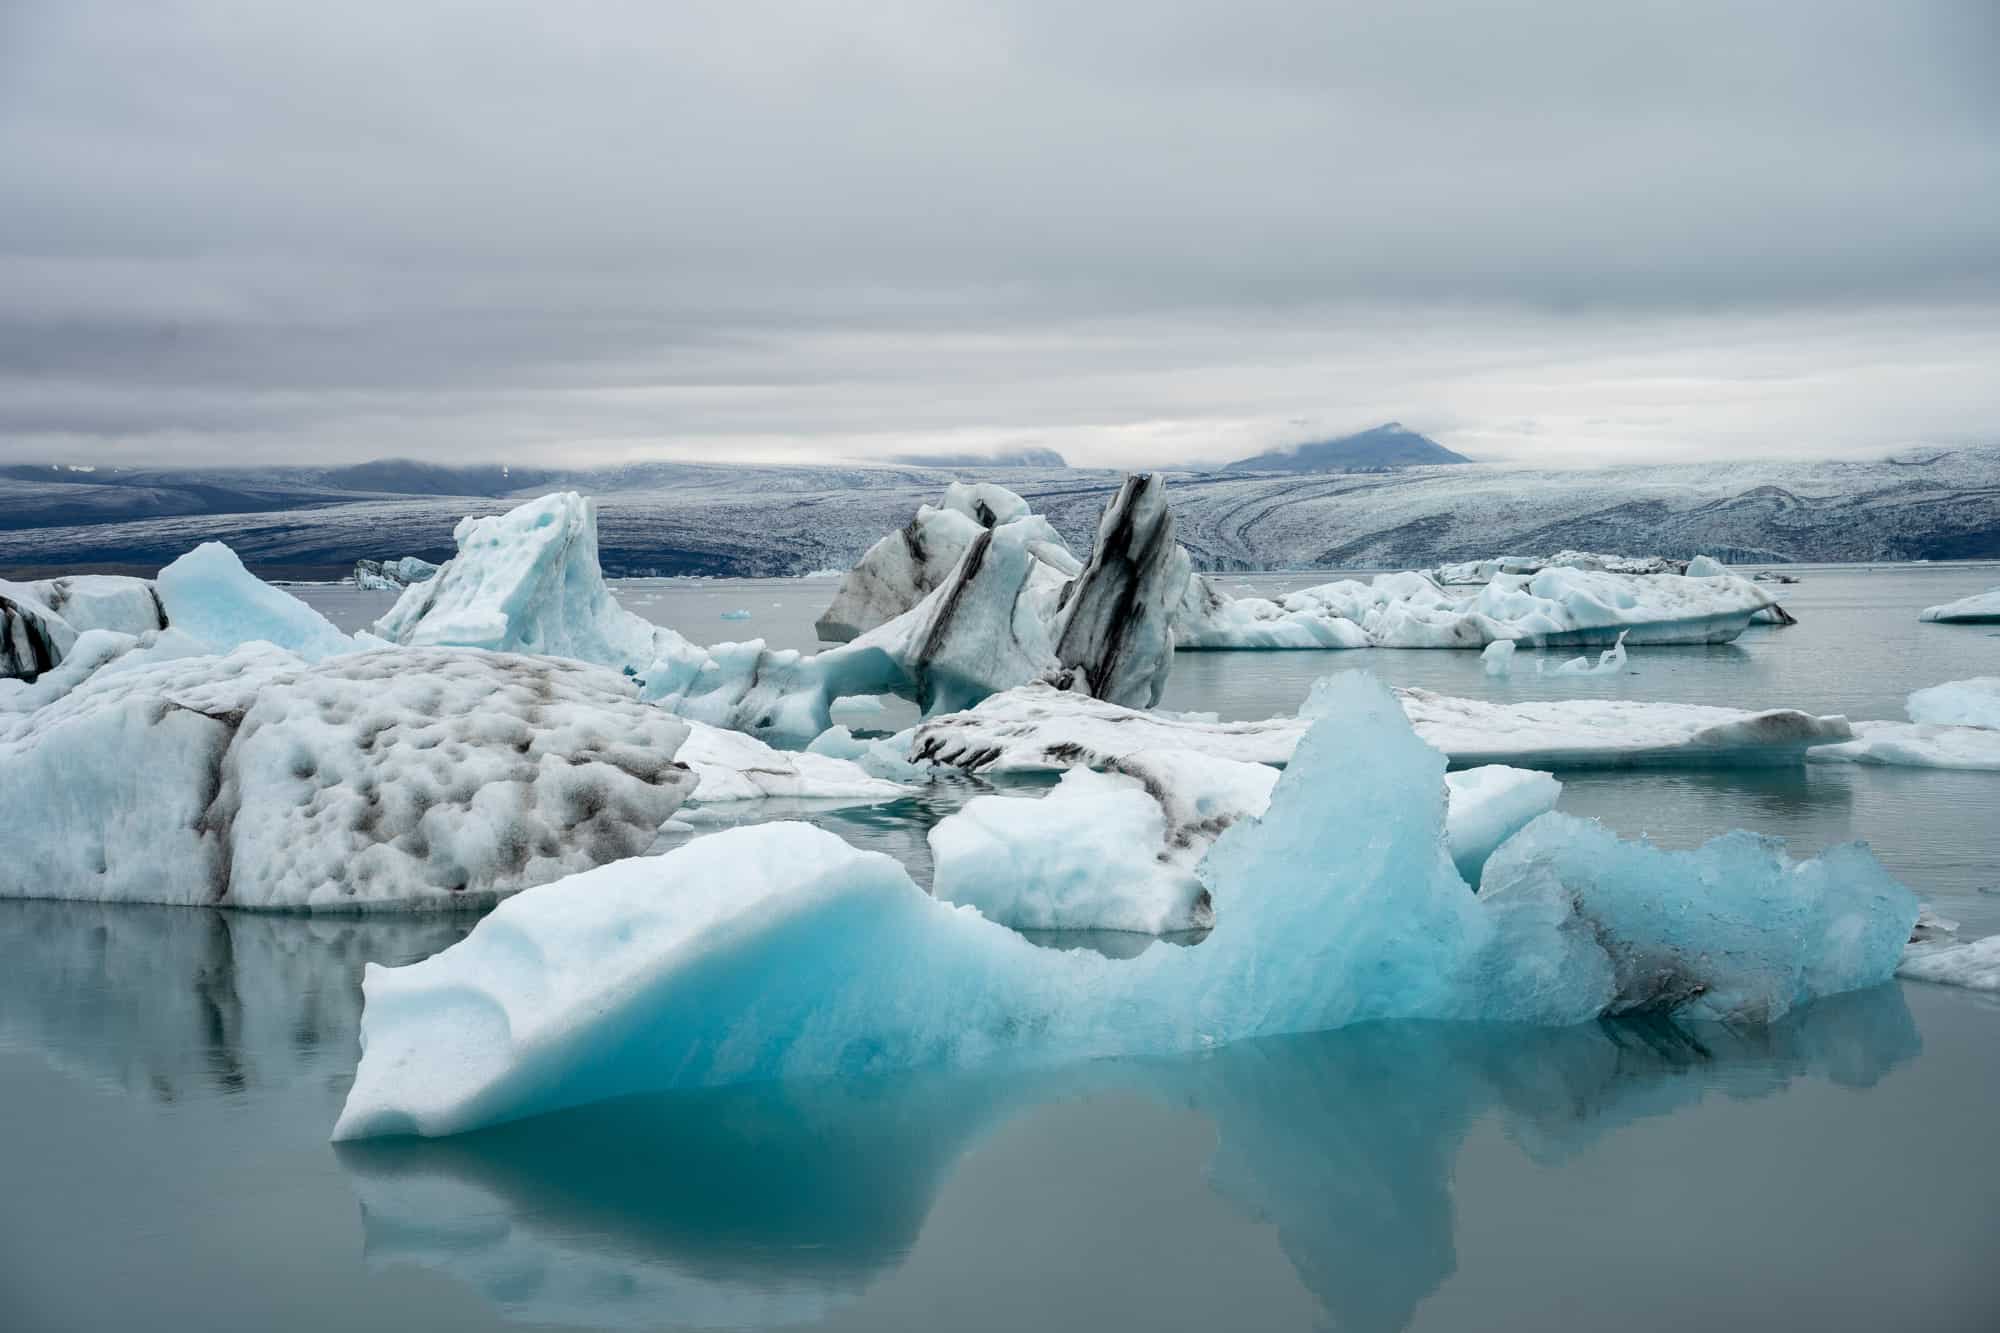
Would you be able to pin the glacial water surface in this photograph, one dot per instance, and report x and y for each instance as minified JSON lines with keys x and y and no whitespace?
{"x":168,"y":1078}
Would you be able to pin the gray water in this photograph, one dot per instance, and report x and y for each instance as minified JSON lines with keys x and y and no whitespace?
{"x":168,"y":1078}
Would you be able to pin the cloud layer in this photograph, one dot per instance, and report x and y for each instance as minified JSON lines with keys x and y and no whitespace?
{"x":1551,"y":230}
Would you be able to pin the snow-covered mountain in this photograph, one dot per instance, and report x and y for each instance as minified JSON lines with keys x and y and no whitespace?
{"x":716,"y":519}
{"x":1389,"y":445}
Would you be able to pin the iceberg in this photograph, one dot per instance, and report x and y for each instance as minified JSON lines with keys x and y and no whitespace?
{"x":39,"y":621}
{"x":1497,"y":658}
{"x":1974,"y":965}
{"x":1039,"y":729}
{"x":529,"y":581}
{"x":1958,"y":703}
{"x":732,"y":766}
{"x":420,"y":779}
{"x":1979,"y":609}
{"x":1118,"y":850}
{"x":903,"y":568}
{"x":1556,"y":607}
{"x":392,"y":575}
{"x":1116,"y":617}
{"x":209,"y":594}
{"x":1616,"y":733}
{"x":778,"y":951}
{"x":1915,"y":745}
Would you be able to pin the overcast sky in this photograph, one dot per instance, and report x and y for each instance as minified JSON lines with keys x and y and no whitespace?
{"x":1135,"y":232}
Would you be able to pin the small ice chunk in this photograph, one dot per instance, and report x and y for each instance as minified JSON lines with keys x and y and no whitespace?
{"x":1958,"y":703}
{"x":1974,"y":965}
{"x":1609,"y":663}
{"x":1497,"y":658}
{"x":1978,"y":609}
{"x":738,"y":614}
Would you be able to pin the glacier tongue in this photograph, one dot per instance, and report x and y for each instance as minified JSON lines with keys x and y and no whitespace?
{"x":778,"y":951}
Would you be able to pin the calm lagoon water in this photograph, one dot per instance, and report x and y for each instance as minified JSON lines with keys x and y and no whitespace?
{"x":168,"y":1078}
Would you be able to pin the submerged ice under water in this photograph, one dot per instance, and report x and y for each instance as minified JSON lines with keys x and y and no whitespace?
{"x":1835,"y":1170}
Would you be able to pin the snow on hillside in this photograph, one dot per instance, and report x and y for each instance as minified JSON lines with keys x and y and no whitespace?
{"x":712,"y":519}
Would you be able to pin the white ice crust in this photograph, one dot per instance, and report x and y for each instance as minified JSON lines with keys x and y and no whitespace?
{"x":779,"y":951}
{"x":1980,"y":608}
{"x":734,"y":767}
{"x":417,"y":779}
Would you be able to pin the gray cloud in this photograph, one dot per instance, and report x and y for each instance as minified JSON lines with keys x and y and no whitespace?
{"x":743,"y":230}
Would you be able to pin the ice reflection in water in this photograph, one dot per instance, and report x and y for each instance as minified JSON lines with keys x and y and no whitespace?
{"x":780,"y":1203}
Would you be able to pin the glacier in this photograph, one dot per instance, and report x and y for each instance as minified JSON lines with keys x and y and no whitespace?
{"x":1979,"y":609}
{"x":1038,"y":729}
{"x":781,"y":952}
{"x":1119,"y":849}
{"x":39,"y":621}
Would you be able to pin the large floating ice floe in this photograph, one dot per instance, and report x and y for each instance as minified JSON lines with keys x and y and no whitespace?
{"x":1557,"y":607}
{"x":1979,"y":609}
{"x":1036,"y":729}
{"x":422,"y":778}
{"x":1118,"y":849}
{"x":779,"y":951}
{"x":40,"y":620}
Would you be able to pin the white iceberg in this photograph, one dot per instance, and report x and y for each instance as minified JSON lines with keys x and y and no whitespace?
{"x":732,"y":766}
{"x":1979,"y":609}
{"x":209,"y":594}
{"x":392,"y":575}
{"x":780,"y":952}
{"x":418,"y":779}
{"x":1038,"y":729}
{"x":1483,"y":571}
{"x":40,"y":620}
{"x":1616,"y":733}
{"x":1915,"y":745}
{"x":1497,"y":658}
{"x":1958,"y":703}
{"x":1557,"y":607}
{"x":528,"y":581}
{"x":1974,"y":965}
{"x":908,"y":565}
{"x":1118,"y":850}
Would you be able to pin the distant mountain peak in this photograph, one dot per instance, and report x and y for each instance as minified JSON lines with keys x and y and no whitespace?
{"x":1391,"y":444}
